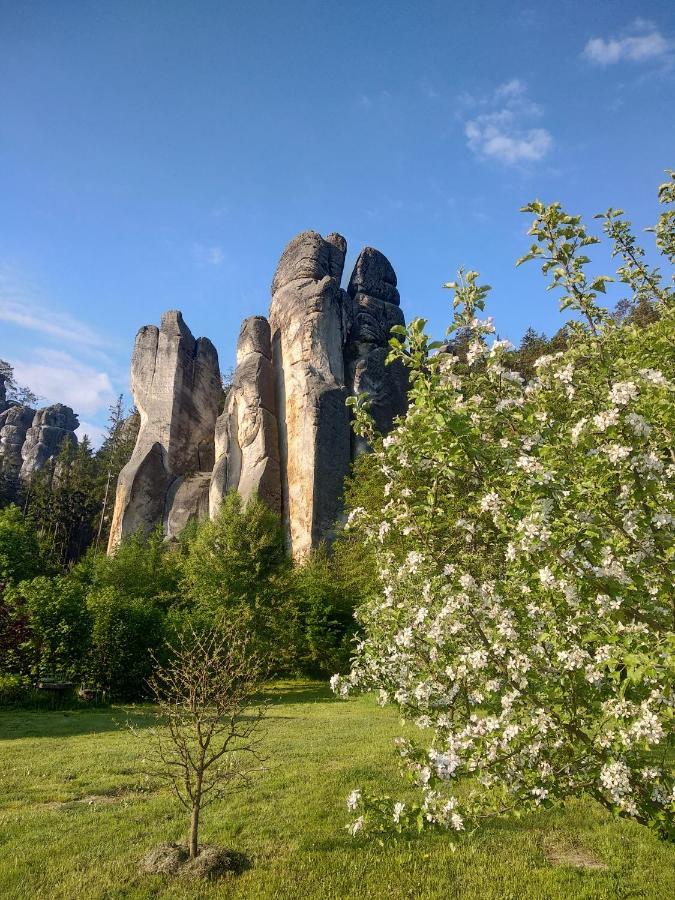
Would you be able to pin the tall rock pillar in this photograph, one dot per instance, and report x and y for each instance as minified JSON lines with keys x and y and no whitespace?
{"x":247,"y":440}
{"x":375,"y":310}
{"x":309,"y":319}
{"x":175,"y":383}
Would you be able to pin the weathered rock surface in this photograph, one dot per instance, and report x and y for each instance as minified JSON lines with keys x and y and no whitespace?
{"x":284,"y":433}
{"x":375,"y":310}
{"x":175,"y":382}
{"x":187,"y":500}
{"x":247,"y":442}
{"x":51,"y":426}
{"x":309,"y":320}
{"x":14,"y":424}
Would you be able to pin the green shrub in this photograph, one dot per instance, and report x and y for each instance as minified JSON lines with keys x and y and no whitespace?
{"x":13,"y":689}
{"x":141,"y":566}
{"x":20,"y":555}
{"x":325,"y":593}
{"x":59,"y":624}
{"x":126,"y":632}
{"x":236,"y":565}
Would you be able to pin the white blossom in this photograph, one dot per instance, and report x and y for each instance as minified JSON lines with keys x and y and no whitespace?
{"x":622,"y":392}
{"x":353,"y":799}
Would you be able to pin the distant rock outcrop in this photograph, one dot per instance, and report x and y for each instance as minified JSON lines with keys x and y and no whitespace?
{"x":309,"y":319}
{"x":247,"y":441}
{"x":14,"y":424}
{"x":50,"y":428}
{"x":175,"y":382}
{"x":375,"y":298}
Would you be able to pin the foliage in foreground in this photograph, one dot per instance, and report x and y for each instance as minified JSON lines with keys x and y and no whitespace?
{"x":525,"y":531}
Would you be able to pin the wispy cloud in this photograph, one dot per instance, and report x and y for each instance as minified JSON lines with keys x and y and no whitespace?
{"x":19,"y":306}
{"x":59,"y":377}
{"x":640,"y":42}
{"x":368,"y":101}
{"x":95,"y":433}
{"x":501,"y":132}
{"x":429,"y":90}
{"x":208,"y":255}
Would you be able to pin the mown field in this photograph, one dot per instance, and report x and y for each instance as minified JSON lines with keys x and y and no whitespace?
{"x":76,"y":817}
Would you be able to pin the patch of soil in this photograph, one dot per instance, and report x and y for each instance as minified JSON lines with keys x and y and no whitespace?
{"x":167,"y":859}
{"x":574,"y":856}
{"x":212,"y":862}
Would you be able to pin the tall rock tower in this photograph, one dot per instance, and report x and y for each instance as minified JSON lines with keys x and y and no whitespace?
{"x":175,"y":382}
{"x":309,"y":320}
{"x":375,"y":311}
{"x":247,"y":435}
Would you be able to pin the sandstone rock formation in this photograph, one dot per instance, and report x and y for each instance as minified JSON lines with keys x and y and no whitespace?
{"x":309,"y":319}
{"x":14,"y":424}
{"x":175,"y":382}
{"x":51,"y":426}
{"x":375,"y":299}
{"x":284,"y":433}
{"x":187,"y":499}
{"x":247,"y":443}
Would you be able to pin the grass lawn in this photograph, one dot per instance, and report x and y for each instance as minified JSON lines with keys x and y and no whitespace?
{"x":76,"y":817}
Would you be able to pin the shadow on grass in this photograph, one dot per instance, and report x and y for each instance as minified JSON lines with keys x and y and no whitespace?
{"x":286,"y":694}
{"x":18,"y":724}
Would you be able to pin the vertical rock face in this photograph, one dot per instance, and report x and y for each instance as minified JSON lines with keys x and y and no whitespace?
{"x":375,"y":299}
{"x":247,"y":443}
{"x":175,"y":382}
{"x":14,"y":424}
{"x":309,"y":320}
{"x":284,"y":433}
{"x":51,"y":426}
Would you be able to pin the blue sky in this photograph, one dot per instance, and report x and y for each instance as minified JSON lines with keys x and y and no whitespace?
{"x":159,"y":155}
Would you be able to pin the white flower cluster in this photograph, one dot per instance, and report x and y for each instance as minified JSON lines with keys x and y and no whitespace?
{"x":524,"y":547}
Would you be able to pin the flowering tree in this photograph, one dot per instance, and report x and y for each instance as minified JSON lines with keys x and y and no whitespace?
{"x":525,"y":539}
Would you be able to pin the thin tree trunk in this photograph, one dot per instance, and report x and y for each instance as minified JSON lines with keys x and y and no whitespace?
{"x":194,"y":827}
{"x":105,"y":503}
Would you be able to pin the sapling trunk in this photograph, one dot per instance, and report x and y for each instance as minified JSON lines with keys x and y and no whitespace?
{"x":194,"y":828}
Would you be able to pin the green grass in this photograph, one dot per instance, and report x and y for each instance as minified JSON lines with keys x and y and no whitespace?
{"x":76,"y":817}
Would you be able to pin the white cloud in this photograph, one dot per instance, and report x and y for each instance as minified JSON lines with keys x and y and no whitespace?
{"x":58,"y":377}
{"x":502,"y":133}
{"x":96,"y":433}
{"x":641,"y":42}
{"x":208,"y":256}
{"x":19,"y":307}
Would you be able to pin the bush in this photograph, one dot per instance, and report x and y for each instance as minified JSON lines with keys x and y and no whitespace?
{"x":20,"y":555}
{"x":126,"y":632}
{"x":236,"y":566}
{"x":14,"y":689}
{"x":141,"y":566}
{"x":525,"y":545}
{"x":58,"y":622}
{"x":327,"y":588}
